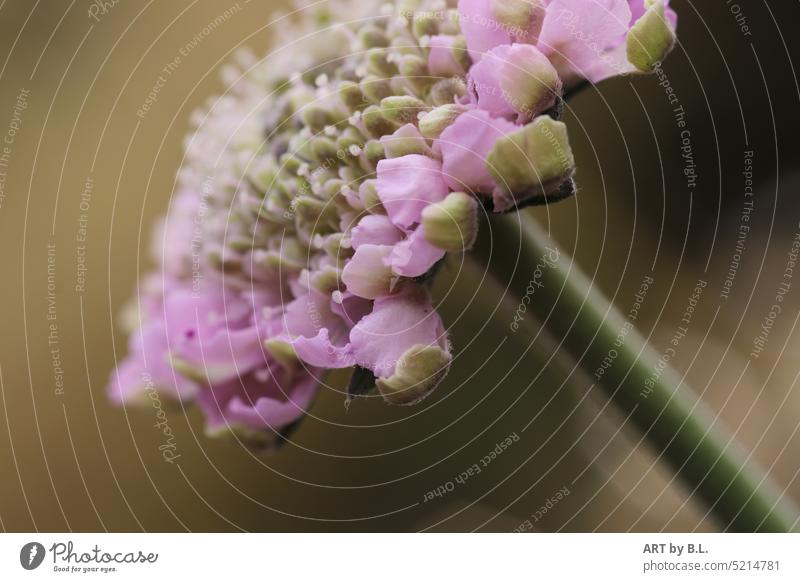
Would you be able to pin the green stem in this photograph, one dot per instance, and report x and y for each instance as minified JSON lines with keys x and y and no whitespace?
{"x":661,"y":405}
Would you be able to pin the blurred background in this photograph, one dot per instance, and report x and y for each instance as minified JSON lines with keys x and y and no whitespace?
{"x":82,"y":180}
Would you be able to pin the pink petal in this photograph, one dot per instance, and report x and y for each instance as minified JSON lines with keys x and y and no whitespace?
{"x":484,"y":82}
{"x":414,"y":256}
{"x":579,"y":36}
{"x":480,"y":28}
{"x":258,"y":401}
{"x":465,"y":146}
{"x":366,"y":274}
{"x":396,"y":324}
{"x":408,"y":184}
{"x":441,"y":59}
{"x":320,"y":352}
{"x":375,"y":229}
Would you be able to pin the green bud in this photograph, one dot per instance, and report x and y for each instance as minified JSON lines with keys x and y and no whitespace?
{"x":313,"y":209}
{"x":351,"y":95}
{"x":451,"y":24}
{"x":402,"y":109}
{"x":332,"y":188}
{"x":318,"y":117}
{"x":283,"y":352}
{"x":425,"y":24}
{"x":418,"y":371}
{"x":452,"y":224}
{"x":650,"y":39}
{"x":522,"y":18}
{"x":531,"y":162}
{"x":324,"y":149}
{"x":376,"y":88}
{"x":377,"y":123}
{"x":434,"y":122}
{"x":529,"y":81}
{"x":372,"y":36}
{"x":414,"y":70}
{"x":374,"y":152}
{"x":349,"y":137}
{"x":368,"y":193}
{"x":229,"y":262}
{"x":406,"y":140}
{"x":447,"y":91}
{"x":262,"y":174}
{"x":378,"y":63}
{"x":328,"y":279}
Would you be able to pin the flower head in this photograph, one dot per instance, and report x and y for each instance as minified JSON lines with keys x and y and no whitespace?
{"x":319,"y":194}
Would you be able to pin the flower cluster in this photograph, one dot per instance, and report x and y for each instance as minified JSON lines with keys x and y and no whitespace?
{"x":322,"y":190}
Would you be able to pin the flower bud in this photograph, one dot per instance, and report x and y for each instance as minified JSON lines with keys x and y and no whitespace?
{"x":434,"y":122}
{"x":323,"y":149}
{"x":406,"y":140}
{"x":522,"y":19}
{"x":529,"y":81}
{"x":425,"y":24}
{"x":531,"y":162}
{"x":368,"y":193}
{"x":452,"y":224}
{"x":448,"y":91}
{"x":378,"y":63}
{"x":316,"y":117}
{"x":376,"y":88}
{"x":374,"y":153}
{"x":414,"y":70}
{"x":376,"y":122}
{"x":351,"y":95}
{"x":372,"y":36}
{"x":651,"y":38}
{"x":418,"y":372}
{"x":402,"y":109}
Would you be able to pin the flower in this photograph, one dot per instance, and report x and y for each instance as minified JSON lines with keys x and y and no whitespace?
{"x":584,"y":39}
{"x":321,"y":192}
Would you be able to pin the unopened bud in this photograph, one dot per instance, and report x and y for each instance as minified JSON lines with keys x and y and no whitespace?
{"x":406,"y":140}
{"x":448,"y":91}
{"x":351,"y":95}
{"x":376,"y":88}
{"x":531,"y":162}
{"x":373,"y":37}
{"x":414,"y":70}
{"x":452,"y":224}
{"x":522,"y":18}
{"x":418,"y":371}
{"x":651,"y":38}
{"x":433,"y":123}
{"x":377,"y":123}
{"x":368,"y":193}
{"x":529,"y":81}
{"x":378,"y":63}
{"x":402,"y":109}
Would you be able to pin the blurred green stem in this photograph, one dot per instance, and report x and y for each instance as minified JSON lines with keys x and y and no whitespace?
{"x":675,"y":423}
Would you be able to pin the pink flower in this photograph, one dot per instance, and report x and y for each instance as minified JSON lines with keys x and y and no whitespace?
{"x":207,"y":344}
{"x":406,"y":185}
{"x":588,"y":39}
{"x":465,"y":146}
{"x":490,"y":23}
{"x":445,"y":57}
{"x":402,"y":341}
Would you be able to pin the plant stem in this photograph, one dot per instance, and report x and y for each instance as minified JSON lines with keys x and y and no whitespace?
{"x":675,"y":423}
